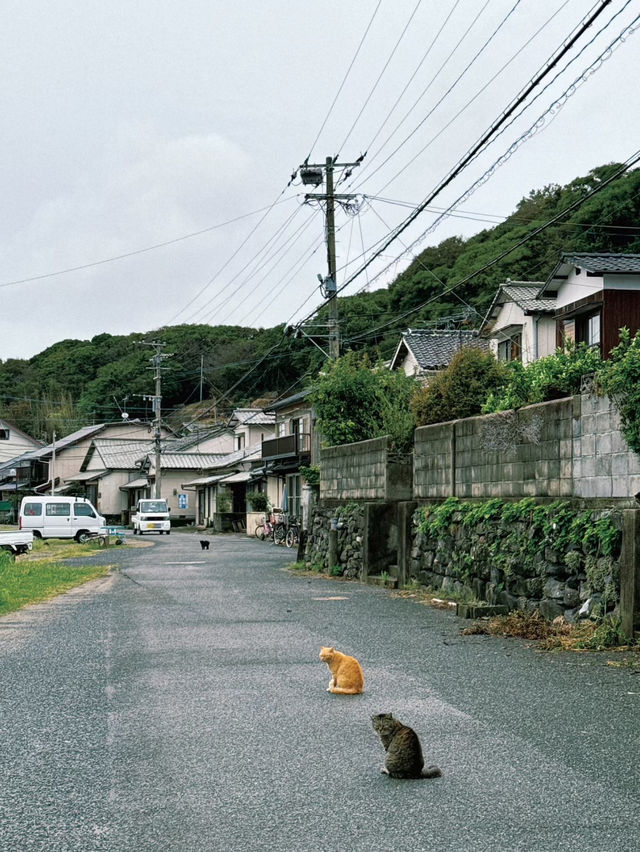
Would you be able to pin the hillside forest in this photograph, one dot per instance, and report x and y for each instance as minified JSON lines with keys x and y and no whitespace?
{"x":76,"y":382}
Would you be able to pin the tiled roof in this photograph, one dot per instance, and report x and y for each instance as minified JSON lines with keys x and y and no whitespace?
{"x":68,"y":440}
{"x":603,"y":263}
{"x":433,"y":350}
{"x":119,"y":453}
{"x":525,"y":297}
{"x":522,"y":293}
{"x":289,"y":400}
{"x":191,"y":461}
{"x":252,"y":416}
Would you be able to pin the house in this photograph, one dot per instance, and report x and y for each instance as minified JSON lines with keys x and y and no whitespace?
{"x":212,"y":439}
{"x":520,"y":325}
{"x":62,"y":460}
{"x":117,"y":473}
{"x":250,"y":426}
{"x":110,"y":474}
{"x":595,"y":295}
{"x":222,"y":490}
{"x":425,"y":352}
{"x":14,"y":442}
{"x":295,"y":445}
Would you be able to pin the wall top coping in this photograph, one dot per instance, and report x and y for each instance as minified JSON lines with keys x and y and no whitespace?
{"x":565,"y":402}
{"x":372,"y":444}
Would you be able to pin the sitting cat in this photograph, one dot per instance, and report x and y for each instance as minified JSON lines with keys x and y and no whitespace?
{"x":347,"y":677}
{"x":404,"y":754}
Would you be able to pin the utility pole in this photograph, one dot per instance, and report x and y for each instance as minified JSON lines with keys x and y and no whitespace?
{"x":53,"y":464}
{"x":314,"y":174}
{"x":156,"y":399}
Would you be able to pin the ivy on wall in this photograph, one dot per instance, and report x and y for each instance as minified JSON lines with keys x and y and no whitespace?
{"x":514,"y":536}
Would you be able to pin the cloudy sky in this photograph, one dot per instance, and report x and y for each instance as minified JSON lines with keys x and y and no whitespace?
{"x":148,"y":145}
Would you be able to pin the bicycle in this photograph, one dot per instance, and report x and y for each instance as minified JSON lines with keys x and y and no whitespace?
{"x":293,"y":533}
{"x":271,"y":527}
{"x":264,"y":529}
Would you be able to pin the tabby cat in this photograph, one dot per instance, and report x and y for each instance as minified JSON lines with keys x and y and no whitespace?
{"x":404,"y":754}
{"x":346,"y":674}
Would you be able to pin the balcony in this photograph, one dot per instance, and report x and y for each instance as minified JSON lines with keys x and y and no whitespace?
{"x":286,"y":447}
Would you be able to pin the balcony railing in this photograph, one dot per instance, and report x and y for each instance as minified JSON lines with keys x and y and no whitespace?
{"x":286,"y":446}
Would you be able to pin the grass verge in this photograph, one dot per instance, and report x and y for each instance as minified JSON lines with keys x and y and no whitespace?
{"x":34,"y":580}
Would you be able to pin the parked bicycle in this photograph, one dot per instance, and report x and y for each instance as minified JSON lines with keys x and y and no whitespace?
{"x":293,"y":533}
{"x":272,"y":527}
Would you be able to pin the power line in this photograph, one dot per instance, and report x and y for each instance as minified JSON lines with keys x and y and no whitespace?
{"x":344,"y":79}
{"x":485,"y":138}
{"x":136,"y":251}
{"x":629,"y":163}
{"x":380,"y":76}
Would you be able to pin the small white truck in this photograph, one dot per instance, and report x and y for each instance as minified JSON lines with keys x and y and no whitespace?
{"x":151,"y":516}
{"x":16,"y":542}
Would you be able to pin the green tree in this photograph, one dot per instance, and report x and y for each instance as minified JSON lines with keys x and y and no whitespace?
{"x":461,"y":390}
{"x":355,"y":401}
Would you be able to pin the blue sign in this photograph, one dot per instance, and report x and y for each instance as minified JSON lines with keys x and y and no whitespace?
{"x":182,"y":501}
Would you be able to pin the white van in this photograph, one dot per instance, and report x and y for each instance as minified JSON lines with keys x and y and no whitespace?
{"x":151,"y":516}
{"x":60,"y":517}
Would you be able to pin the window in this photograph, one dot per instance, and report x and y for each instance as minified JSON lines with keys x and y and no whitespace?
{"x":83,"y":510}
{"x":239,"y":442}
{"x":593,"y":331}
{"x":33,"y":509}
{"x":294,"y":501}
{"x":58,"y":510}
{"x":510,"y":349}
{"x":4,"y":434}
{"x":569,"y":330}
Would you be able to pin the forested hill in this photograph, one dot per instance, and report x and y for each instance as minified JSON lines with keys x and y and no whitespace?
{"x":75,"y":382}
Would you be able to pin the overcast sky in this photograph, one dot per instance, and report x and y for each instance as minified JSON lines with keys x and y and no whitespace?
{"x":131,"y":124}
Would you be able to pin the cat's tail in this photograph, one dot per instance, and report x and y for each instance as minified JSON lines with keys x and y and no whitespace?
{"x":341,"y":691}
{"x":431,"y":772}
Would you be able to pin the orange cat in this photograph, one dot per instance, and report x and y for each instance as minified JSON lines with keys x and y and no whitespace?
{"x":347,"y":678}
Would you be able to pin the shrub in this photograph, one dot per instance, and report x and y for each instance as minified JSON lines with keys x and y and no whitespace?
{"x":620,"y":378}
{"x":552,"y":377}
{"x":461,"y":390}
{"x":356,"y":401}
{"x":258,"y":500}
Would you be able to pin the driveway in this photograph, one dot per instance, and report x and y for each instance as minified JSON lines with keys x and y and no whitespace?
{"x":180,"y":704}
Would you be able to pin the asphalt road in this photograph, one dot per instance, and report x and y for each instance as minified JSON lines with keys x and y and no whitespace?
{"x":180,"y":705}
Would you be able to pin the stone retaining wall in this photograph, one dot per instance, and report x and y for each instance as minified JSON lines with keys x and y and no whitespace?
{"x":576,"y":581}
{"x":350,"y":538}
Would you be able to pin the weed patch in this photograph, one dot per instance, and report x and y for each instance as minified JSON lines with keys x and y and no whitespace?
{"x":31,"y":581}
{"x":554,"y":635}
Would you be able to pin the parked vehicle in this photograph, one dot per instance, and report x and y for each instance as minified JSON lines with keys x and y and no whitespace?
{"x":152,"y":516}
{"x":60,"y":517}
{"x":16,"y":542}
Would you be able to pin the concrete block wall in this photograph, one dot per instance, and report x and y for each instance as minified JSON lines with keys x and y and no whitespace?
{"x":354,"y":471}
{"x":570,"y":447}
{"x":509,"y":454}
{"x":603,"y":464}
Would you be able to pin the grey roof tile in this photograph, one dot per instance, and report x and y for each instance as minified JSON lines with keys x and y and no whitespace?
{"x":433,"y":350}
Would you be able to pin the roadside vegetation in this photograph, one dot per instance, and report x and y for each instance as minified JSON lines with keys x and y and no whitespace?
{"x":43,"y":573}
